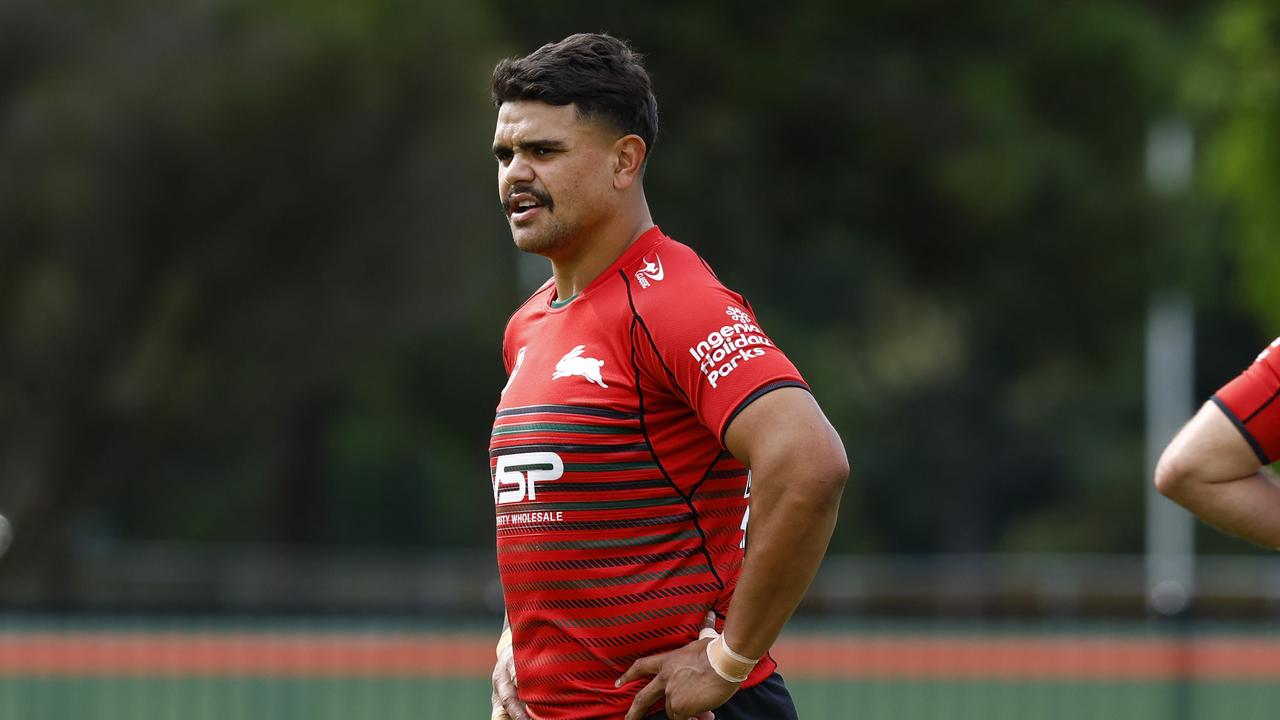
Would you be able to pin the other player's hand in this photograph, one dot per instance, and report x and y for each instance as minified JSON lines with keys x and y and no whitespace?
{"x":685,"y":678}
{"x":506,"y":705}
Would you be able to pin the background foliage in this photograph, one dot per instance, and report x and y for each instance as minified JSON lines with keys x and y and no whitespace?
{"x":253,"y":278}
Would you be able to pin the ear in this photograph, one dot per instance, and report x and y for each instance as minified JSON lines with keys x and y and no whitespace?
{"x":629,"y":152}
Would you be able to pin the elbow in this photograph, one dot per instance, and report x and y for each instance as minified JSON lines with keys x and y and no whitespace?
{"x":1173,"y":475}
{"x":831,"y":472}
{"x":840,"y":472}
{"x":814,"y":479}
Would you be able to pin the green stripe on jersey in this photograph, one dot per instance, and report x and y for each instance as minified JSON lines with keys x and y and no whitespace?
{"x":563,"y":427}
{"x":597,"y":505}
{"x":527,"y":468}
{"x":567,"y":410}
{"x":611,"y":467}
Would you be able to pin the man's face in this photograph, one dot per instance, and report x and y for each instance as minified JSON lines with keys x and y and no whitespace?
{"x":555,"y":174}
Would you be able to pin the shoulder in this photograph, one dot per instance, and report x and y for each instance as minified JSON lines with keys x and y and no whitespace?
{"x":527,"y":309}
{"x":686,"y":312}
{"x":529,"y":303}
{"x":671,"y":279}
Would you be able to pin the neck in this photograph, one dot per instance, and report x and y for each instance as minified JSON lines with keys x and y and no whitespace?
{"x":574,"y":271}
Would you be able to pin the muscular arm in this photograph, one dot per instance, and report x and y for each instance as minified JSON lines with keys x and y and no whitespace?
{"x":798,"y":471}
{"x":1212,"y":471}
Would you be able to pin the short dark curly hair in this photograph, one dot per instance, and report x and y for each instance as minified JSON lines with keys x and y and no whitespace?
{"x":598,"y":73}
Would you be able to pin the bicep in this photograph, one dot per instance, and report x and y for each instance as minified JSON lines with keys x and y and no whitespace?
{"x":784,"y":426}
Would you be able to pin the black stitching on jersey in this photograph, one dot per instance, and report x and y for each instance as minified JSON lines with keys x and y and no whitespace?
{"x":741,"y":299}
{"x":644,"y":430}
{"x":556,"y":447}
{"x":565,"y":410}
{"x":707,"y":473}
{"x":1262,"y":407}
{"x":756,"y":395}
{"x":1248,"y":436}
{"x":635,"y":314}
{"x":599,"y":487}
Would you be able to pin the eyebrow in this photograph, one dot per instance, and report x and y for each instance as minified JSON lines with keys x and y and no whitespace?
{"x":549,"y":144}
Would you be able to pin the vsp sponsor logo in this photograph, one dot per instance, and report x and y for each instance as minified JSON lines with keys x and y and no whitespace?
{"x":729,"y":346}
{"x":516,"y":477}
{"x":651,"y":272}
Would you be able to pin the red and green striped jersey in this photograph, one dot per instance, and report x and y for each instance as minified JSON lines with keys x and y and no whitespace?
{"x":620,"y":515}
{"x":1250,"y":401}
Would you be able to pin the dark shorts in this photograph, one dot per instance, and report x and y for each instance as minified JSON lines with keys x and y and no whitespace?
{"x":770,"y":700}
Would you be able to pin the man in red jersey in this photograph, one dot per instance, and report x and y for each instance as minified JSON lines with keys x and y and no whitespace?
{"x":645,"y":409}
{"x":1214,"y":467}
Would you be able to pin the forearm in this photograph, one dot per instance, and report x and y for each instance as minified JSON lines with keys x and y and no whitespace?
{"x":792,"y":519}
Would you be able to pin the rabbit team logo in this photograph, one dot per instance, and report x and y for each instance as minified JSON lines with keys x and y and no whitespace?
{"x":574,"y":364}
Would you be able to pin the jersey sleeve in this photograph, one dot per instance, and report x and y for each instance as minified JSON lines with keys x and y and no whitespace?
{"x":706,"y":341}
{"x":1250,"y":401}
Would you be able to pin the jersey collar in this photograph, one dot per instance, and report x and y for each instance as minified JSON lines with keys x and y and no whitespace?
{"x":642,"y":245}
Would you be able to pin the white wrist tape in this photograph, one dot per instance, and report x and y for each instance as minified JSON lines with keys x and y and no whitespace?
{"x":728,"y":664}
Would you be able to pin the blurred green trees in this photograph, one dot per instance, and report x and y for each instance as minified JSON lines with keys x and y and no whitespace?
{"x":1235,"y":85}
{"x":253,"y":278}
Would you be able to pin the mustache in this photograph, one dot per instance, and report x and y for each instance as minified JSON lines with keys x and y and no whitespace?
{"x":543,"y":198}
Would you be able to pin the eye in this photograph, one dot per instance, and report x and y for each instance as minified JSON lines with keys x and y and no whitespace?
{"x":503,"y":156}
{"x":542,"y":152}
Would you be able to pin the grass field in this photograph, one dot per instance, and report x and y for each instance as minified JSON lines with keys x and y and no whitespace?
{"x":198,"y":671}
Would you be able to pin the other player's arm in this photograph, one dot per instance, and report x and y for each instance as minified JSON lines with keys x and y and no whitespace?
{"x":506,"y":705}
{"x":1210,"y":469}
{"x":798,"y":471}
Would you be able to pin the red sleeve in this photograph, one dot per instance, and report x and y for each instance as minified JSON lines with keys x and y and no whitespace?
{"x":1250,"y":401}
{"x":706,"y":341}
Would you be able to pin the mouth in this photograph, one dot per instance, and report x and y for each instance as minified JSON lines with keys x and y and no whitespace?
{"x":524,"y":205}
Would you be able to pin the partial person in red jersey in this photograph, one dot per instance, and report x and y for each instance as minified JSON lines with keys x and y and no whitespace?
{"x":648,"y":423}
{"x":1216,"y":465}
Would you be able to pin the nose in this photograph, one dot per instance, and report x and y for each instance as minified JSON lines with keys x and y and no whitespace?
{"x":517,"y":171}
